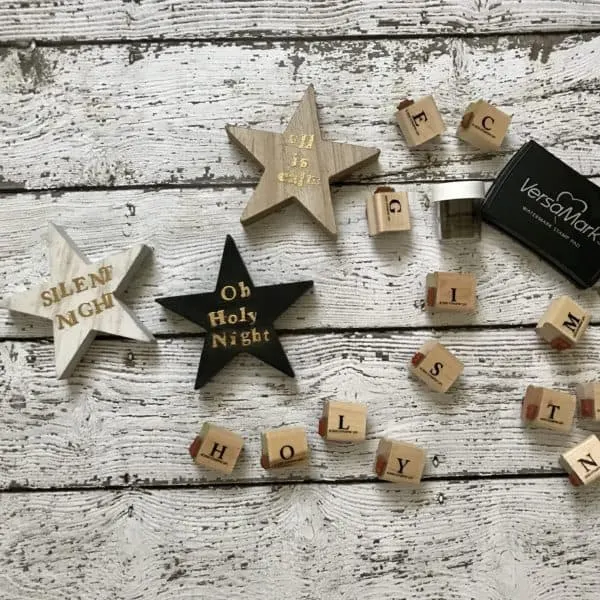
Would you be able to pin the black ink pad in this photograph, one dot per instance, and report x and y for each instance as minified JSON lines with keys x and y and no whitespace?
{"x":551,"y":209}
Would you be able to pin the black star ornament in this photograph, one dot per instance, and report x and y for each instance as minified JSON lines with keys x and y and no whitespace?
{"x":237,"y":316}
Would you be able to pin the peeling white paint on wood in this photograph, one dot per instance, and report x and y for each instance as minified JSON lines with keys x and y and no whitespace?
{"x":185,"y":19}
{"x":509,"y":539}
{"x":129,"y":411}
{"x":360,"y":282}
{"x":150,"y":113}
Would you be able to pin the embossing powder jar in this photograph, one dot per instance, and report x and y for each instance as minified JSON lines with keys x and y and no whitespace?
{"x":551,"y":209}
{"x":457,"y":209}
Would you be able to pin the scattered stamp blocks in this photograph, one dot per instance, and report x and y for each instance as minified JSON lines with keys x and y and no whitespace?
{"x":451,"y":291}
{"x":387,"y":210}
{"x":549,"y":409}
{"x":564,"y":323}
{"x":419,"y":121}
{"x":435,"y":366}
{"x":588,"y":395}
{"x":343,"y":422}
{"x":399,"y":462}
{"x":457,"y":209}
{"x":583,"y":462}
{"x":216,"y":448}
{"x":483,"y":126}
{"x":283,"y":446}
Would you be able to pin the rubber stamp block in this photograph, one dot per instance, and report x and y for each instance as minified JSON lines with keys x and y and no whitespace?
{"x":343,"y":422}
{"x":588,"y":396}
{"x":387,"y":210}
{"x":216,"y":448}
{"x":454,"y":292}
{"x":435,"y":366}
{"x":457,"y":209}
{"x":419,"y":121}
{"x":483,"y":126}
{"x":564,"y":323}
{"x":583,"y":462}
{"x":283,"y":446}
{"x":549,"y":409}
{"x":399,"y":462}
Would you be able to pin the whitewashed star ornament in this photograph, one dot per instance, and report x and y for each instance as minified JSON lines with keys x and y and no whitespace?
{"x":81,"y":298}
{"x":298,"y":165}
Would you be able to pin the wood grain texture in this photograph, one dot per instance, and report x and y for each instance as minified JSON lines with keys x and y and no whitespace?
{"x":299,"y":165}
{"x":129,"y":412}
{"x":82,"y":299}
{"x":139,"y":114}
{"x":360,"y":282}
{"x":180,"y":19}
{"x":453,"y":540}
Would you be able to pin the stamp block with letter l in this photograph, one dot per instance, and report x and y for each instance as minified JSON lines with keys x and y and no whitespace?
{"x":451,"y":292}
{"x":483,"y":126}
{"x":436,"y":366}
{"x":399,"y":462}
{"x":564,"y":323}
{"x":419,"y":121}
{"x":216,"y":448}
{"x":283,"y":446}
{"x":548,"y":409}
{"x":582,"y":463}
{"x":343,"y":422}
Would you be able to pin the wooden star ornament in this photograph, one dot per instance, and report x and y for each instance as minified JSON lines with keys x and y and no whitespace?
{"x":298,"y":165}
{"x":81,"y":298}
{"x":238,"y":316}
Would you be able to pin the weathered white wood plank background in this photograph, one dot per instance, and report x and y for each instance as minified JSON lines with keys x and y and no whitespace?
{"x":454,"y":540}
{"x":360,"y":282}
{"x":118,"y":136}
{"x":181,"y":19}
{"x":150,"y":113}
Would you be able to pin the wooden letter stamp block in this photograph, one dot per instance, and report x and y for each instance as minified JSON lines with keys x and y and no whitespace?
{"x":483,"y":126}
{"x":549,"y":409}
{"x":399,"y":462}
{"x":564,"y":323}
{"x":216,"y":448}
{"x":419,"y":121}
{"x":435,"y":366}
{"x":387,"y":210}
{"x":583,"y":462}
{"x":454,"y":292}
{"x":588,"y":395}
{"x":343,"y":422}
{"x":283,"y":446}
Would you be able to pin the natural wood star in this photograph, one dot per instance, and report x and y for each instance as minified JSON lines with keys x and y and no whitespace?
{"x":81,"y":298}
{"x":298,"y":164}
